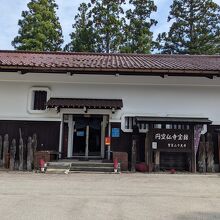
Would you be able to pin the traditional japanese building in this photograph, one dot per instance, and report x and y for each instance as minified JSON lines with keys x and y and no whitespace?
{"x":86,"y":105}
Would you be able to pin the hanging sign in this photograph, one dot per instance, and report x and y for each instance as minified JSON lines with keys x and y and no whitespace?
{"x":107,"y":140}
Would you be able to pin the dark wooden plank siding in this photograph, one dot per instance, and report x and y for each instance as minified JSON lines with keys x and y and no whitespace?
{"x":47,"y":132}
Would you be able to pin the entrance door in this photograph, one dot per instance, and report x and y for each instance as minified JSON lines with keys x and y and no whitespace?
{"x":95,"y":140}
{"x":79,"y":142}
{"x":87,"y":136}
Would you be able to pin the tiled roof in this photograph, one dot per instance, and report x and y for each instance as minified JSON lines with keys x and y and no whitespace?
{"x":112,"y":63}
{"x":88,"y":103}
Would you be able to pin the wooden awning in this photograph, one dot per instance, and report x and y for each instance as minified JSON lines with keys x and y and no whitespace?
{"x":174,"y":120}
{"x":85,"y":103}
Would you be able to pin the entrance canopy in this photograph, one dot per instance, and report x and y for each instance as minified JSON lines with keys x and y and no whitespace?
{"x":59,"y":103}
{"x":174,"y":120}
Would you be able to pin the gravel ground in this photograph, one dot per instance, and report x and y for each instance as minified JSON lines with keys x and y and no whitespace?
{"x":109,"y":196}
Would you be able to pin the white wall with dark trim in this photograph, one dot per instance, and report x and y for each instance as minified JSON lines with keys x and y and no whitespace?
{"x":153,"y":96}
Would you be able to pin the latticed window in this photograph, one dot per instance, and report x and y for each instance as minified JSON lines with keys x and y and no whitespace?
{"x":40,"y":100}
{"x":130,"y":121}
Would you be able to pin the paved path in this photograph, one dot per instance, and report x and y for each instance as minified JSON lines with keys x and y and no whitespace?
{"x":109,"y":196}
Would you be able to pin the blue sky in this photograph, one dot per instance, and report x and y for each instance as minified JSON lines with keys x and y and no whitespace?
{"x":10,"y":11}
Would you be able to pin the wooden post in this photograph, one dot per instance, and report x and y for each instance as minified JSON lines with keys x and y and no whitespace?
{"x":12,"y":154}
{"x":202,"y":155}
{"x":133,"y":155}
{"x":29,"y":154}
{"x":210,"y":154}
{"x":21,"y":154}
{"x":193,"y":154}
{"x":219,"y":149}
{"x":5,"y":151}
{"x":1,"y":149}
{"x":147,"y":146}
{"x":34,"y":145}
{"x":157,"y":160}
{"x":150,"y":153}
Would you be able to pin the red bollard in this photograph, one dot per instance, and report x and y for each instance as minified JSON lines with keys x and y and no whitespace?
{"x":116,"y":165}
{"x":41,"y":164}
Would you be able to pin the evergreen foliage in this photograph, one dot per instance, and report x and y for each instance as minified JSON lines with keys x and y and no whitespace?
{"x":82,"y":37}
{"x":195,"y":28}
{"x":40,"y":29}
{"x":137,"y":34}
{"x":106,"y":17}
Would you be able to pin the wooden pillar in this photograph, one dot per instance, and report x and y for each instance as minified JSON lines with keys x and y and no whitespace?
{"x":219,"y":149}
{"x":1,"y":150}
{"x":61,"y":138}
{"x":70,"y":136}
{"x":157,"y":160}
{"x":210,"y":154}
{"x":193,"y":153}
{"x":147,"y":148}
{"x":133,"y":154}
{"x":21,"y":154}
{"x":12,"y":154}
{"x":150,"y":154}
{"x":109,"y":146}
{"x":29,"y":154}
{"x":103,"y":126}
{"x":202,"y":155}
{"x":87,"y":142}
{"x":5,"y":151}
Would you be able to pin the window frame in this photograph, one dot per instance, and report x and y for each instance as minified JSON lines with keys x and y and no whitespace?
{"x":31,"y":97}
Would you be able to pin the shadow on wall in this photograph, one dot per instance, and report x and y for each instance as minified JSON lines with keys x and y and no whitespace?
{"x":199,"y":216}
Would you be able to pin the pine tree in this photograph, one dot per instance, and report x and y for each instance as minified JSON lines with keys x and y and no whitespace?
{"x":107,"y":22}
{"x":195,"y":28}
{"x":40,"y":29}
{"x":83,"y":37}
{"x":137,"y":34}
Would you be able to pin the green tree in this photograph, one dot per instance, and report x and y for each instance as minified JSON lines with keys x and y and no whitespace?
{"x":82,"y":37}
{"x":40,"y":29}
{"x":137,"y":34}
{"x":195,"y":28}
{"x":106,"y":17}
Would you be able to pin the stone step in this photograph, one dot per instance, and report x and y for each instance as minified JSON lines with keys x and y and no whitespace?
{"x":91,"y":164}
{"x":92,"y":169}
{"x":57,"y":171}
{"x":79,"y":166}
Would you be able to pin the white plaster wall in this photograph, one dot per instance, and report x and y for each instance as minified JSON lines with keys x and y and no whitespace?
{"x":153,"y":96}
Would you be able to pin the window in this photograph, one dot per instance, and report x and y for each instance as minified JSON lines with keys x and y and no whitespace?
{"x":37,"y":99}
{"x":128,"y":122}
{"x":40,"y":100}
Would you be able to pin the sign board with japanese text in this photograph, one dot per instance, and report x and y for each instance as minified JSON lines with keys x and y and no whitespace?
{"x":172,"y":139}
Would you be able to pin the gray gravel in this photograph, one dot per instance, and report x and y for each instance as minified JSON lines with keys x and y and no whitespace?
{"x":109,"y":196}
